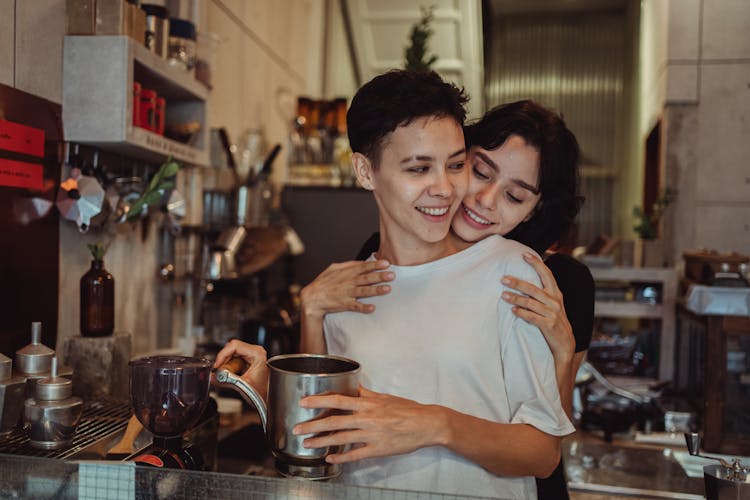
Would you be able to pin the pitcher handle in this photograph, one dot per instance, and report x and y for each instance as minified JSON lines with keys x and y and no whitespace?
{"x":248,"y":393}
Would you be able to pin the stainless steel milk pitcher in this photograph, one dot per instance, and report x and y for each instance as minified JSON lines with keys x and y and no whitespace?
{"x":291,"y":378}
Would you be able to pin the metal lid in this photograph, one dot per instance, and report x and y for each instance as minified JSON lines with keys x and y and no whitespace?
{"x":54,"y":388}
{"x":35,"y":357}
{"x":155,"y":10}
{"x":6,"y":367}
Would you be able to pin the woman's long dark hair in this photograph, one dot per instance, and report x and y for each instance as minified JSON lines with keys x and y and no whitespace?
{"x":559,"y":154}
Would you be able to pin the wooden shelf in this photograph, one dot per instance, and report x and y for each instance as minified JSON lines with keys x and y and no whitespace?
{"x":98,"y":76}
{"x":615,"y":309}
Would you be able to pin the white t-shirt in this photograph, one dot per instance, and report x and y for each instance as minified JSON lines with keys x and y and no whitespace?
{"x":444,"y":336}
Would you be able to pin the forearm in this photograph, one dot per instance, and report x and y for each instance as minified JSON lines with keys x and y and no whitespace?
{"x":502,"y":449}
{"x":312,"y":339}
{"x":565,"y":373}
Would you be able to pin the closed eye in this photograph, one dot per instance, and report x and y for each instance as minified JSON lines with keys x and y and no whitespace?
{"x":514,"y":199}
{"x":478,"y":174}
{"x":418,"y":169}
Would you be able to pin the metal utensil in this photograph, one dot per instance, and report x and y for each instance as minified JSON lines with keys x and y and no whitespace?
{"x":293,"y":377}
{"x":80,"y":198}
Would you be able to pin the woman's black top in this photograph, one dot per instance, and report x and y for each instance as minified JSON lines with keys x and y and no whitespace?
{"x":577,"y":287}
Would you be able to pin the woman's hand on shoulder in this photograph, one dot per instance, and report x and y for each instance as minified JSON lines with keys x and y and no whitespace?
{"x":542,"y":307}
{"x":338,"y":287}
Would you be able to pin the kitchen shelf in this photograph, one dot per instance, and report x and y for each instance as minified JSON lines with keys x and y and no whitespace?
{"x":664,"y":311}
{"x":98,"y":76}
{"x":622,"y":309}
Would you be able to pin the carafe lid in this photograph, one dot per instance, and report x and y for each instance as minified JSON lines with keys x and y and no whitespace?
{"x":54,"y":388}
{"x":6,"y":367}
{"x":35,"y":357}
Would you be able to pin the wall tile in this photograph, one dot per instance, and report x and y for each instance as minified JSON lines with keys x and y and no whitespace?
{"x":7,"y":41}
{"x":724,"y":228}
{"x":39,"y":58}
{"x":684,"y":28}
{"x":724,"y":120}
{"x":226,"y":102}
{"x":682,"y":83}
{"x":725,"y":25}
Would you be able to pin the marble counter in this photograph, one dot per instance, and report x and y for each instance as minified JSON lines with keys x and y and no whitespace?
{"x":627,"y":469}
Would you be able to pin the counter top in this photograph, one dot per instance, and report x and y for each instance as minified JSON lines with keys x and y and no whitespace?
{"x":626,"y":468}
{"x":595,"y":469}
{"x":41,"y":478}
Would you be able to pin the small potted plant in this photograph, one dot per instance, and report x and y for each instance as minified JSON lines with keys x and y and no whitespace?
{"x":415,"y":55}
{"x":650,"y":249}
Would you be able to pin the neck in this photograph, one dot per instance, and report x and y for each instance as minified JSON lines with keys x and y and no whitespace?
{"x":458,"y":242}
{"x":415,"y":252}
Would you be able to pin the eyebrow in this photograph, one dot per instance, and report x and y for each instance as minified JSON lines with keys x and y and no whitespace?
{"x":430,"y":158}
{"x":494,"y":166}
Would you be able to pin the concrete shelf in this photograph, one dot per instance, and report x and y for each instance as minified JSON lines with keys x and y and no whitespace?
{"x":98,"y":76}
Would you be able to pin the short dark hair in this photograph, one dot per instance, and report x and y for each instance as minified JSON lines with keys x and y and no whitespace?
{"x":394,"y":99}
{"x":559,"y":155}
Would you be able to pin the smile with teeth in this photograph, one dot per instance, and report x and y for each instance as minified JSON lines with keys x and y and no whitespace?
{"x":433,"y":211}
{"x":473,"y":216}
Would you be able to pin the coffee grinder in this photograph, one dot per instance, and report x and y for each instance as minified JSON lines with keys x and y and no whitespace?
{"x":169,"y":394}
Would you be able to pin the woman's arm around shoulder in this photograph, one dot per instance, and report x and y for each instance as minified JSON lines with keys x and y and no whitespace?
{"x":338,"y":289}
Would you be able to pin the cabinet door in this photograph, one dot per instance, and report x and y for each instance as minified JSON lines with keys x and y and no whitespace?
{"x":7,"y":43}
{"x":40,"y":27}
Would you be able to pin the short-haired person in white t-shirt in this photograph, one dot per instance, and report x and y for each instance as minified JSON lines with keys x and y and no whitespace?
{"x":523,"y":163}
{"x":459,"y":395}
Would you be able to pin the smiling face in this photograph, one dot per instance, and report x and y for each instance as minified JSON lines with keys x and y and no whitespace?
{"x":418,"y":184}
{"x":503,"y":190}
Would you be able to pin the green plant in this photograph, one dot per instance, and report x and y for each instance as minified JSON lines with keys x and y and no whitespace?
{"x":97,"y":250}
{"x":160,"y":183}
{"x":416,"y":52}
{"x":647,"y":224}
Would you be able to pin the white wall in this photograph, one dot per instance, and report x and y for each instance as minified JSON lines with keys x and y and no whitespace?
{"x":271,"y":51}
{"x":708,"y":123}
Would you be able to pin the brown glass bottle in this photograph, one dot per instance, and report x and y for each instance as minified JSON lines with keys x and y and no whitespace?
{"x":97,"y":301}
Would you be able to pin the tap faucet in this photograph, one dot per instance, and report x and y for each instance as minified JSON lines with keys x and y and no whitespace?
{"x":735,"y":471}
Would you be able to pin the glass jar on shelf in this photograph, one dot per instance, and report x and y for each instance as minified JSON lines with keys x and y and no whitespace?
{"x":181,"y":50}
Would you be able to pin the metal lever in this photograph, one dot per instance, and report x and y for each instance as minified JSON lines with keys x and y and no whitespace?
{"x":735,"y":471}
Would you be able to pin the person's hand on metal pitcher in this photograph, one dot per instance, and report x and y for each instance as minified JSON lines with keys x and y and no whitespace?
{"x":256,"y":373}
{"x":378,"y":425}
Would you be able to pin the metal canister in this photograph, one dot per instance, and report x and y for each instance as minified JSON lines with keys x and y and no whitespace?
{"x":11,"y":396}
{"x":157,"y":28}
{"x":34,"y":358}
{"x":52,"y":415}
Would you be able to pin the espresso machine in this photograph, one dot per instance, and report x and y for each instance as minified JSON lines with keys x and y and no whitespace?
{"x":169,"y":395}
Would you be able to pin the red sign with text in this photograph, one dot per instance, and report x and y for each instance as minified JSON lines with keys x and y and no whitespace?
{"x":21,"y":174}
{"x":21,"y":138}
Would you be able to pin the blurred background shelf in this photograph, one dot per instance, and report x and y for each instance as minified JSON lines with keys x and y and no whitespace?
{"x":98,"y":77}
{"x":663,"y":309}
